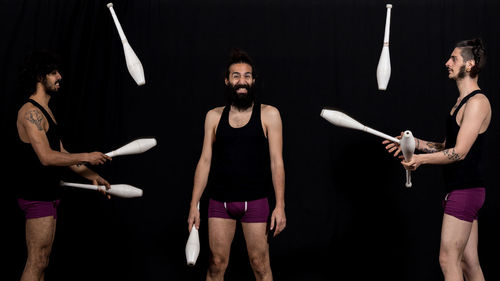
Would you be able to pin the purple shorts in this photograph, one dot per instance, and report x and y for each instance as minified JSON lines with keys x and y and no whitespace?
{"x":464,"y":204}
{"x":38,"y":209}
{"x":247,"y":211}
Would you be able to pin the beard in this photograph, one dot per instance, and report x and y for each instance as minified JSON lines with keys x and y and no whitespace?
{"x":461,"y":74}
{"x":51,"y":89}
{"x":241,"y":101}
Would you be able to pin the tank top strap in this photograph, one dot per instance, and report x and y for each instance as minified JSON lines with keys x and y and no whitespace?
{"x":256,"y":118}
{"x":47,"y":115}
{"x":473,"y":93}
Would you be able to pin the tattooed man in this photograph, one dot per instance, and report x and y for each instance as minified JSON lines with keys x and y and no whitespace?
{"x":42,"y":155}
{"x":461,"y":155}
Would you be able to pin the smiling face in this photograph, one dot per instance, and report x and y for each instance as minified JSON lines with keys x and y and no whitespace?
{"x":240,"y":83}
{"x":240,"y":74}
{"x":51,"y":82}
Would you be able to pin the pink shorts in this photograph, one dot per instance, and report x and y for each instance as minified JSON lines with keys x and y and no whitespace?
{"x":464,"y":204}
{"x":247,"y":211}
{"x":38,"y":209}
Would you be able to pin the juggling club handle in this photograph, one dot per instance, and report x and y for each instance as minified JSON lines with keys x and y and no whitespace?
{"x":408,"y":179}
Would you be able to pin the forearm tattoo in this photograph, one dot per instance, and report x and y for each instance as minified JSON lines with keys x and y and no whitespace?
{"x":36,"y":118}
{"x":451,"y":154}
{"x":431,"y":147}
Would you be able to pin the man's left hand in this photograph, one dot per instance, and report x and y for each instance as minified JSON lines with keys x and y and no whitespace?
{"x":278,"y":220}
{"x":101,"y":181}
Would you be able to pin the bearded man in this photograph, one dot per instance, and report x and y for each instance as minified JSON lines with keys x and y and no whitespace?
{"x":240,"y":163}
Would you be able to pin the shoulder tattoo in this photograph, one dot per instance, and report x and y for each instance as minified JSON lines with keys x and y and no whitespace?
{"x":35,"y":117}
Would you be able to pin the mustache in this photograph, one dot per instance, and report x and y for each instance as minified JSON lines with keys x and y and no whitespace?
{"x":242,"y":86}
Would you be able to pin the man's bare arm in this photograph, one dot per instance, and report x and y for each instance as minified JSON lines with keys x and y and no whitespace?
{"x":428,"y":146}
{"x":203,"y":167}
{"x":474,"y":115}
{"x":32,"y":122}
{"x":272,"y":120}
{"x":275,"y":139}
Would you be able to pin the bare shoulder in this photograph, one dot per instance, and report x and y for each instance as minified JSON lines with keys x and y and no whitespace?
{"x":479,"y":98}
{"x":214,"y":115}
{"x":269,"y":111}
{"x":28,"y":113}
{"x":215,"y":112}
{"x":479,"y":102}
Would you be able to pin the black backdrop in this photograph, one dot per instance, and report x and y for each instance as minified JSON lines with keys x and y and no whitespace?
{"x":349,"y":215}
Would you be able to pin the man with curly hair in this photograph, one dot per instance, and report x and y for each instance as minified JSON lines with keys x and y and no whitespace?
{"x":42,"y":156}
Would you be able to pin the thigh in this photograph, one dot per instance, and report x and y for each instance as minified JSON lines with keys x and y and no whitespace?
{"x":470,"y":252}
{"x":454,"y":234}
{"x":256,"y":239}
{"x":40,"y":233}
{"x":220,"y":235}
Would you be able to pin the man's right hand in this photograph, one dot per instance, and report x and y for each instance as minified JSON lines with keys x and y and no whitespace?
{"x":392,"y":146}
{"x":97,"y":158}
{"x":194,"y":218}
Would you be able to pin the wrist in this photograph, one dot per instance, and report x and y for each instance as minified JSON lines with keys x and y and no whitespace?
{"x":194,"y":204}
{"x":423,"y":158}
{"x":280,"y":205}
{"x":85,"y":157}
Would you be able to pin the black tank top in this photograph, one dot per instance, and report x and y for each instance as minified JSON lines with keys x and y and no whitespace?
{"x":40,"y":183}
{"x":467,"y":173}
{"x":241,"y":166}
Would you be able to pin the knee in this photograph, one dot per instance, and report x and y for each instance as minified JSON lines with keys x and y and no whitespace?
{"x":39,"y":260}
{"x":470,"y":266}
{"x":260,"y":265}
{"x":448,"y":259}
{"x":218,"y":265}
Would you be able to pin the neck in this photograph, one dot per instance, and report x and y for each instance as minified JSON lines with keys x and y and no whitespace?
{"x":41,"y":96}
{"x":234,"y":108}
{"x":466,"y":85}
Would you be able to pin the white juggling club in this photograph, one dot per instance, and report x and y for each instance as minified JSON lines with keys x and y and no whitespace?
{"x":407,"y":142}
{"x":341,"y":119}
{"x":407,"y":147}
{"x":134,"y":65}
{"x":118,"y":190}
{"x":193,"y":244}
{"x":384,"y":63}
{"x":134,"y":147}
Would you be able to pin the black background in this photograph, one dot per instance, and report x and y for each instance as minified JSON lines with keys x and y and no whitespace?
{"x":349,"y":216}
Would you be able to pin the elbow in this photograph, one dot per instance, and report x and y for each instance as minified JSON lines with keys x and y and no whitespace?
{"x":204,"y":162}
{"x":460,"y":154}
{"x":44,"y":161}
{"x":277,"y":165}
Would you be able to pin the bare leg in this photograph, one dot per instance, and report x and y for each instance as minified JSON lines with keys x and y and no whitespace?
{"x":454,"y":236}
{"x":258,"y":250}
{"x":220,"y":236}
{"x":470,"y":260}
{"x":40,"y":234}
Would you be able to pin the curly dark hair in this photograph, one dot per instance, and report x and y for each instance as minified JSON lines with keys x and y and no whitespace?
{"x":36,"y":65}
{"x":473,"y":50}
{"x":238,"y":56}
